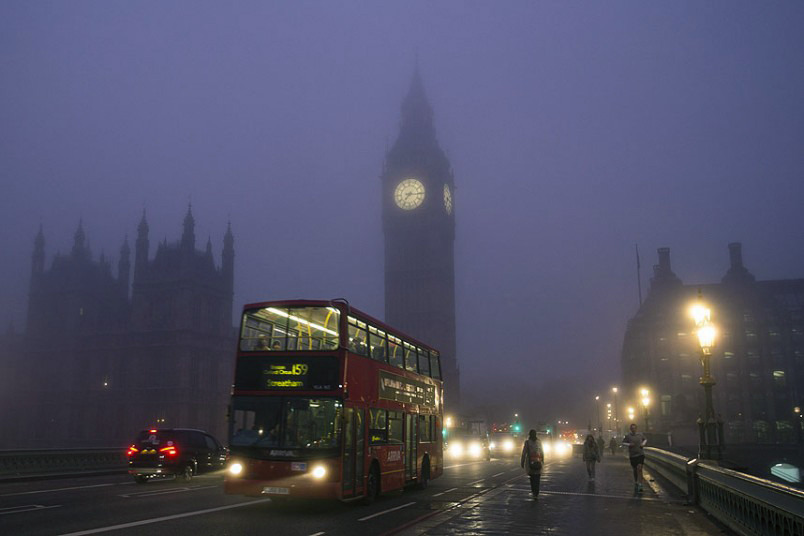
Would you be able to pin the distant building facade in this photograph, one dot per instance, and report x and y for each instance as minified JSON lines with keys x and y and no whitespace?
{"x":758,"y":362}
{"x":419,"y":225}
{"x":104,"y":356}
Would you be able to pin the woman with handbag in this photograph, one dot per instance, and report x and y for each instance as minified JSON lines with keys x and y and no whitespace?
{"x":532,"y":460}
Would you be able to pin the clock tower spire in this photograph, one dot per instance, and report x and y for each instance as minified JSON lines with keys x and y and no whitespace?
{"x":419,"y":227}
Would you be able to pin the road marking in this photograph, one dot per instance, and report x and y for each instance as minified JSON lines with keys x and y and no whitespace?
{"x":165,"y":518}
{"x":475,"y":482}
{"x":57,"y":489}
{"x":449,"y":508}
{"x":318,"y":534}
{"x":606,"y":496}
{"x":498,"y":474}
{"x":26,"y":508}
{"x":445,"y":491}
{"x":163,"y":492}
{"x":386,"y":511}
{"x":462,"y":464}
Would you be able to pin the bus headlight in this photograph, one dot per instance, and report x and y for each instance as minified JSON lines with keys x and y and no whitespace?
{"x":319,"y":472}
{"x":236,"y":469}
{"x":546,"y":447}
{"x":508,"y":446}
{"x":475,"y":450}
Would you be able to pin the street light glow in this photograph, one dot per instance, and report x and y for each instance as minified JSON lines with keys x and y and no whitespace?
{"x":706,"y":336}
{"x":700,"y":313}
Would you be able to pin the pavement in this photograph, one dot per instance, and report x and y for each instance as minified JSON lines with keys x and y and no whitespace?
{"x":570,"y":504}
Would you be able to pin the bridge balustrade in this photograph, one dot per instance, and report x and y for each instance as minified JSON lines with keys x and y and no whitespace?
{"x":746,"y":504}
{"x":31,"y":463}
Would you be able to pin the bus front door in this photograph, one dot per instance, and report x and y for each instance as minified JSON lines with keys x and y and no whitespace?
{"x":353,"y":455}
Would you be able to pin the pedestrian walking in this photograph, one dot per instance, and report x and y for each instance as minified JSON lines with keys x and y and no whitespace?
{"x":613,"y":446}
{"x":591,"y":455}
{"x":635,"y":443}
{"x":601,"y":446}
{"x":532,"y":460}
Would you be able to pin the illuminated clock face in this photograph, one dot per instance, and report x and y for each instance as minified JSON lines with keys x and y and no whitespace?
{"x":447,"y":199}
{"x":409,"y":193}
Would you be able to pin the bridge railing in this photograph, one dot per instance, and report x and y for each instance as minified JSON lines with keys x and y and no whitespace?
{"x":746,"y":504}
{"x":16,"y":464}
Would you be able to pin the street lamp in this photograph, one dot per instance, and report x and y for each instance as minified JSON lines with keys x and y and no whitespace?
{"x":597,"y":405}
{"x":645,"y":403}
{"x":616,"y":415}
{"x":709,"y":429}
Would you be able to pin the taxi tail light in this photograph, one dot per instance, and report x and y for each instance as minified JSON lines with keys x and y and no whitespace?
{"x":132,"y":450}
{"x":169,"y":451}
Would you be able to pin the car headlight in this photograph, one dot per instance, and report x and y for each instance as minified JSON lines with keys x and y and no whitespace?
{"x":493,"y":445}
{"x":456,"y":449}
{"x":475,"y":450}
{"x":319,"y":472}
{"x":236,"y":469}
{"x":508,"y":446}
{"x":546,"y":447}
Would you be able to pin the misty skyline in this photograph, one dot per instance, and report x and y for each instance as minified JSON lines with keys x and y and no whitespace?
{"x":575,"y":131}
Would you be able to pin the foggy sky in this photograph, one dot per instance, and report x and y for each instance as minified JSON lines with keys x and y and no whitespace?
{"x":575,"y":131}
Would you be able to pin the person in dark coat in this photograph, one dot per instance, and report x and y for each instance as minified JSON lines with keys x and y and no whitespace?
{"x":532,"y":460}
{"x":591,"y":455}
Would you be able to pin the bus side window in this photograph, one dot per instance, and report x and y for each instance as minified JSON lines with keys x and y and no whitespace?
{"x":377,"y":344}
{"x":435,"y":366}
{"x":424,"y":362}
{"x":395,"y":352}
{"x":410,"y":358}
{"x":395,"y":427}
{"x":378,"y":432}
{"x":357,"y":340}
{"x":425,"y":434}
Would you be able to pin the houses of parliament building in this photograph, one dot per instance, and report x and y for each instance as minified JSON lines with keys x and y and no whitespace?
{"x":104,"y":355}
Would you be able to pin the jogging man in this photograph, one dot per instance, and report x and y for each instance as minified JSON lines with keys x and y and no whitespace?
{"x":636,"y":455}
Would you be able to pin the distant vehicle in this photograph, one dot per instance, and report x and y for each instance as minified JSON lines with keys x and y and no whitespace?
{"x":504,"y":444}
{"x":464,"y":445}
{"x":182,"y":452}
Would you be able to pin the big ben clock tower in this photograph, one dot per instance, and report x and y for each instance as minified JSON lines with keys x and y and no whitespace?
{"x":419,"y":224}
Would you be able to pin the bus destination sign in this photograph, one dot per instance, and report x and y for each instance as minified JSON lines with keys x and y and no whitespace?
{"x":287,"y":374}
{"x":401,"y":389}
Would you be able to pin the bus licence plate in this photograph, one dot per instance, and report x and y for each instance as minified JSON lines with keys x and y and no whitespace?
{"x":298,"y":466}
{"x":276,"y":491}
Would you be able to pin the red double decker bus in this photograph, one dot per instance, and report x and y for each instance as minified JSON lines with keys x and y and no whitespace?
{"x":329,"y":402}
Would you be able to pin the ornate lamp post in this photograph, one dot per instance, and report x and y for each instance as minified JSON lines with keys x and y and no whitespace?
{"x":597,"y":405}
{"x":616,"y":413}
{"x":709,"y":429}
{"x":645,"y":403}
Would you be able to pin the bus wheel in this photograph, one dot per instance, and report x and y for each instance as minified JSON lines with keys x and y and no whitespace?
{"x":187,"y":473}
{"x":425,"y":478}
{"x":372,"y":485}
